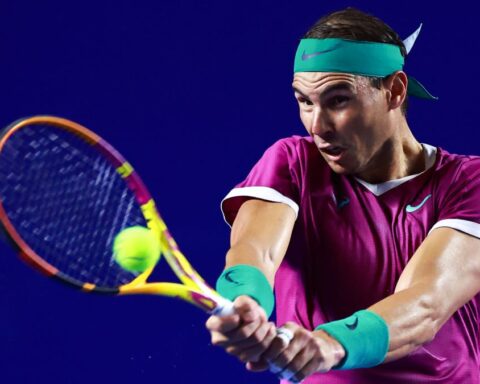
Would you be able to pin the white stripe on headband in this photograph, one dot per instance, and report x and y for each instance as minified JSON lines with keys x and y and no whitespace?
{"x":410,"y":40}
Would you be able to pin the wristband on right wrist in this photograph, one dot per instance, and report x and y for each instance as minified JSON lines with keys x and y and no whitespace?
{"x":243,"y":279}
{"x":364,"y":337}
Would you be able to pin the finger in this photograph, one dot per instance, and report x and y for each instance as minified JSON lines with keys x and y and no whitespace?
{"x":314,"y":357}
{"x":258,"y":343}
{"x":257,"y":366}
{"x":223,"y":324}
{"x":280,"y":363}
{"x":290,"y":352}
{"x":235,"y":337}
{"x":314,"y":365}
{"x":244,"y":332}
{"x":284,"y":337}
{"x":219,"y":339}
{"x":294,"y":369}
{"x":276,"y":348}
{"x":255,"y":338}
{"x":248,"y":309}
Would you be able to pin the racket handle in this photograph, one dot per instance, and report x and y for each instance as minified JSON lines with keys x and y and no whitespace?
{"x":224,"y":308}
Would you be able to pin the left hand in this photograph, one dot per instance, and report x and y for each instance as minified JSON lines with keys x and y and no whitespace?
{"x":308,"y":352}
{"x":246,"y":334}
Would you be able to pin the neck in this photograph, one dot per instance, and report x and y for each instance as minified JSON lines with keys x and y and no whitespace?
{"x":400,"y":156}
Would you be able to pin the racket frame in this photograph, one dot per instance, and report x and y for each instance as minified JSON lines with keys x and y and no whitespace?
{"x":193,"y":288}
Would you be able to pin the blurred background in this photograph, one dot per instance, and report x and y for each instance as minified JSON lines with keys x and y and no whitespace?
{"x":192,"y":93}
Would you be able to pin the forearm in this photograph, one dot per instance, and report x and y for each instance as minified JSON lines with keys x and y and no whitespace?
{"x":441,"y":276}
{"x":413,"y":318}
{"x":260,"y":236}
{"x":247,"y":253}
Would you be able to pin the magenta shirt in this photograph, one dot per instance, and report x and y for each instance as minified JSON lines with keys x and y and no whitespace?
{"x":351,"y":242}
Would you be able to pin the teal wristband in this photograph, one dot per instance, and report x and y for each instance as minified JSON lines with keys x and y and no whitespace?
{"x":364,"y":336}
{"x":244,"y":279}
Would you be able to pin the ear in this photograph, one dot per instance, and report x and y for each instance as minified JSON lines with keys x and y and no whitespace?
{"x":396,"y":89}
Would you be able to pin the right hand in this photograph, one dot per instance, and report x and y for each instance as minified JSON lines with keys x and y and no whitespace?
{"x":247,"y":334}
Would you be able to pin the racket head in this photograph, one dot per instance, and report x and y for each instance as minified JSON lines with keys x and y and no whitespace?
{"x":64,"y":195}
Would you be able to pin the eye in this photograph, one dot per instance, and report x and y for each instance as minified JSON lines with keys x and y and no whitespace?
{"x":302,"y":100}
{"x":338,"y":101}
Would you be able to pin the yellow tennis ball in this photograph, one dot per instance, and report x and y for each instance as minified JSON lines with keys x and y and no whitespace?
{"x":136,"y":249}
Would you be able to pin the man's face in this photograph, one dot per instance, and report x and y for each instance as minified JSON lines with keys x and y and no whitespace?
{"x":346,"y":117}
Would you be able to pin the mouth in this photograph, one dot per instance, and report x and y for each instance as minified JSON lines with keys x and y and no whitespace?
{"x":333,"y":152}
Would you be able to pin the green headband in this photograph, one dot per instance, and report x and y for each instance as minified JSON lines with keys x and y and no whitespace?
{"x":363,"y":58}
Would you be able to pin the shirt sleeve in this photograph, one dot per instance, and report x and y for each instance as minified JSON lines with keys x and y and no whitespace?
{"x":273,"y":178}
{"x":460,"y":208}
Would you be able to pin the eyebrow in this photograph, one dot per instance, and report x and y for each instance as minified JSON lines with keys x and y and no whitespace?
{"x":330,"y":89}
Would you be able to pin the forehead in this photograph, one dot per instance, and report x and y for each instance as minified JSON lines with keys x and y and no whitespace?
{"x":326,"y":82}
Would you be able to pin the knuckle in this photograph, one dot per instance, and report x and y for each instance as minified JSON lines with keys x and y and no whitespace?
{"x":306,"y":336}
{"x":244,"y":333}
{"x":315,"y":348}
{"x":268,"y":336}
{"x":277,"y":343}
{"x":302,"y":337}
{"x":285,"y":357}
{"x":265,"y":343}
{"x":271,"y":337}
{"x":255,"y":337}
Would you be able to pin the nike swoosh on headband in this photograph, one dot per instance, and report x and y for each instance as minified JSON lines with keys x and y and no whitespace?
{"x":307,"y":56}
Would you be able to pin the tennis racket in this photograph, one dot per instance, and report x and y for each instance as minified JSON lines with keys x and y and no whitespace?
{"x":65,"y":194}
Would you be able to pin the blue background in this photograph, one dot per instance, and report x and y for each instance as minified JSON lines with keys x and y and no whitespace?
{"x":192,"y":93}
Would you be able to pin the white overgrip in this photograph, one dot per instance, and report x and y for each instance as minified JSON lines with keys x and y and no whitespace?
{"x":224,"y":308}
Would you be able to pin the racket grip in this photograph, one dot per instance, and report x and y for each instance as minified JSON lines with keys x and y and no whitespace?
{"x":224,"y":308}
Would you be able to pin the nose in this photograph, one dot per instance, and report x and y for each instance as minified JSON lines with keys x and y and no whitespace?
{"x":322,"y":125}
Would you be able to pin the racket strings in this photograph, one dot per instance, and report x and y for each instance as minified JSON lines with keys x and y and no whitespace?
{"x":67,"y":202}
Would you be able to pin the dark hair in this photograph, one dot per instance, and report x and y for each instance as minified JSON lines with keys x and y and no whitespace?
{"x":353,"y":24}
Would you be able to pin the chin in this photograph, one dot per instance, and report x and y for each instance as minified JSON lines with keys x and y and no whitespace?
{"x":341,"y":170}
{"x":340,"y":167}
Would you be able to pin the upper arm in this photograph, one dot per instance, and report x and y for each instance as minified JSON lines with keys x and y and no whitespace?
{"x":260,"y":235}
{"x":445,"y":268}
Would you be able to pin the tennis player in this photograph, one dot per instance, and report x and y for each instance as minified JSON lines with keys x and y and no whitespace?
{"x":370,"y":238}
